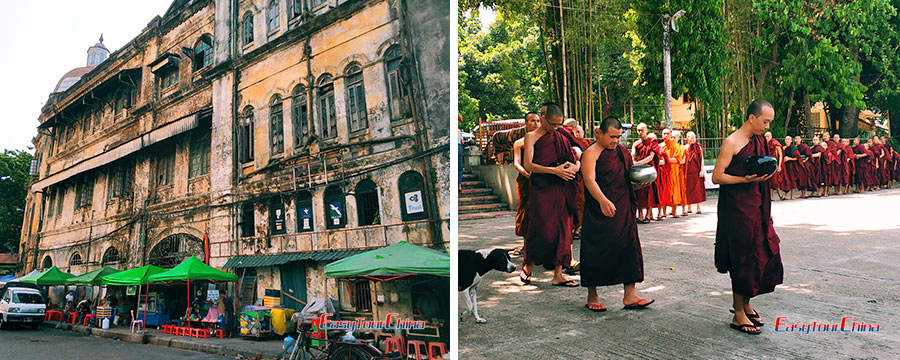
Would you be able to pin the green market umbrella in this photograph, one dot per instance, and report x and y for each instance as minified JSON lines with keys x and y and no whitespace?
{"x":93,"y":277}
{"x":193,"y":269}
{"x":51,"y":276}
{"x":137,"y":276}
{"x":401,"y":258}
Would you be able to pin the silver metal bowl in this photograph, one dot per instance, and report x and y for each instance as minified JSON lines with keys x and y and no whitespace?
{"x":642,"y":174}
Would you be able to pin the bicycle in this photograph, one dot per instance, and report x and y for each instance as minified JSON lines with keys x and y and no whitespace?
{"x":335,"y":349}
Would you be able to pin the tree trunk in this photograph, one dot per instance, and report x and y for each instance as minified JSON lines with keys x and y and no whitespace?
{"x":849,"y":122}
{"x":562,"y":37}
{"x":787,"y":118}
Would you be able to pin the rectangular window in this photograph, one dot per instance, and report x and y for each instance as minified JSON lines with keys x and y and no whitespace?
{"x":301,"y":120}
{"x":60,"y":196}
{"x":356,"y":103}
{"x":168,"y":78}
{"x":84,"y":192}
{"x":247,"y":225}
{"x":120,"y":179}
{"x":356,"y":296}
{"x":276,"y":128}
{"x":326,"y":106}
{"x":50,"y":201}
{"x":276,"y":217}
{"x":245,"y":137}
{"x":272,"y":16}
{"x":165,"y":165}
{"x":200,"y":148}
{"x":296,"y":8}
{"x":399,"y":101}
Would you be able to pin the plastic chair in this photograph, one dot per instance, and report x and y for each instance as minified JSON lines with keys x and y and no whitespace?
{"x":416,"y":349}
{"x":136,"y":321}
{"x":71,"y":317}
{"x":88,"y":319}
{"x":393,"y":343}
{"x":436,"y":350}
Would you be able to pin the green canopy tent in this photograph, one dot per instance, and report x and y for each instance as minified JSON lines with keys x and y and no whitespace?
{"x":394,"y":261}
{"x":93,"y":277}
{"x":137,"y":276}
{"x":193,"y":269}
{"x":51,"y":276}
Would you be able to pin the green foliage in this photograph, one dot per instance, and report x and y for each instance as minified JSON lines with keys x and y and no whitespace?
{"x":14,"y":177}
{"x":501,"y":71}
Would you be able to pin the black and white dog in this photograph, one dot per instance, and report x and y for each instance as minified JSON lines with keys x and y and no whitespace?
{"x":473,"y":264}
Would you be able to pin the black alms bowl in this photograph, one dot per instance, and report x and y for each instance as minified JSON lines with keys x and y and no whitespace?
{"x":760,"y":165}
{"x":642,"y":174}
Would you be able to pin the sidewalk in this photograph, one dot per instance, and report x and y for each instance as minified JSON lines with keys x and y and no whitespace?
{"x":237,"y":347}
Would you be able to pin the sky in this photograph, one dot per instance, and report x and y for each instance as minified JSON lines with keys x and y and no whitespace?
{"x":45,"y":39}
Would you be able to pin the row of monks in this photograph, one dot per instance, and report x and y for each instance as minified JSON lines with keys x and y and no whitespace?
{"x":680,"y":176}
{"x":832,"y":166}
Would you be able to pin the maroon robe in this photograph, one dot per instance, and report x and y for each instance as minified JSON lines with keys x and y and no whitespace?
{"x":805,"y":151}
{"x":844,"y":167}
{"x":896,"y":165}
{"x":870,"y":169}
{"x":816,"y":169}
{"x":552,"y":203}
{"x":522,"y":193}
{"x":695,"y":188}
{"x":649,"y":196}
{"x":851,"y":165}
{"x":610,"y":247}
{"x":795,"y":172}
{"x":830,"y":178}
{"x":862,"y":165}
{"x":746,"y":243}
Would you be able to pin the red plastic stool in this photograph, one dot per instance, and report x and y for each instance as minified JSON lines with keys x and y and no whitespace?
{"x":393,"y":343}
{"x":164,"y":329}
{"x":181,"y":331}
{"x":219,"y":333}
{"x":87,"y":319}
{"x":436,"y":350}
{"x":416,"y":349}
{"x":71,"y":317}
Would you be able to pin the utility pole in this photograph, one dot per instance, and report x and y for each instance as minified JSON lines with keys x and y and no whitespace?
{"x":667,"y":62}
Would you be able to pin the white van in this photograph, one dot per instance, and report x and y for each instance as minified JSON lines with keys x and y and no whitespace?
{"x":21,"y":303}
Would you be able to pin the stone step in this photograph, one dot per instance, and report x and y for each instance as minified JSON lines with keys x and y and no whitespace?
{"x":468,"y":209}
{"x":472,"y":184}
{"x":486,"y":215}
{"x":469,"y":177}
{"x":475,"y":192}
{"x":484,"y":199}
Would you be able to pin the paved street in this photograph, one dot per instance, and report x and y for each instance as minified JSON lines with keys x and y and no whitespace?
{"x":46,"y":343}
{"x":840,"y":259}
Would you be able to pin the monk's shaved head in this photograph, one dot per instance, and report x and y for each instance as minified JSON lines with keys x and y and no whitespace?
{"x":609,"y":132}
{"x":757,"y":107}
{"x":552,"y":110}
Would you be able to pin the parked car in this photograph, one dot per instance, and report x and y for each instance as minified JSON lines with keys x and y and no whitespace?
{"x":21,"y":303}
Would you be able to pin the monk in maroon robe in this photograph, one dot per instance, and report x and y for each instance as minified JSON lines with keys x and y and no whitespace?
{"x":775,"y":150}
{"x":695,"y":185}
{"x":646,"y":151}
{"x":862,"y":160}
{"x":554,"y":165}
{"x":896,"y":166}
{"x":805,"y":153}
{"x":792,"y":167}
{"x":841,"y":172}
{"x":747,"y":246}
{"x":610,"y":248}
{"x":847,"y":160}
{"x":816,"y":167}
{"x":532,"y":122}
{"x":871,"y":169}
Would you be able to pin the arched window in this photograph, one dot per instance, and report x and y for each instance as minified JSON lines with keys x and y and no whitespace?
{"x":272,"y":16}
{"x":367,"y":203}
{"x":412,"y":196}
{"x":47,"y":263}
{"x":111,"y":256}
{"x":356,"y":98}
{"x":75,"y":259}
{"x":299,"y":116}
{"x":276,"y":124}
{"x":335,"y":207}
{"x":303,"y":204}
{"x":397,"y":94}
{"x":277,"y":224}
{"x":172,"y":250}
{"x":247,"y":28}
{"x":203,"y":52}
{"x":326,"y":107}
{"x":245,"y":136}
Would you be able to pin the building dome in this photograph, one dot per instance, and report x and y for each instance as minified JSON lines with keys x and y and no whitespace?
{"x":96,"y":54}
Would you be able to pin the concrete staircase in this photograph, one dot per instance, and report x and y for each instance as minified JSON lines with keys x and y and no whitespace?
{"x":477,"y":201}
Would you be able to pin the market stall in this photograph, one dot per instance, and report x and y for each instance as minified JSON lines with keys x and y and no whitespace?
{"x":411,"y":280}
{"x":193,"y":269}
{"x":92,"y":279}
{"x":138,"y":277}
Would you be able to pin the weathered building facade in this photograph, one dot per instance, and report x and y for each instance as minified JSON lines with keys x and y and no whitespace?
{"x":269,"y":137}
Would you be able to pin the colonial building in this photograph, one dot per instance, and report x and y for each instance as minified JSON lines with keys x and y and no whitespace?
{"x":268,"y":137}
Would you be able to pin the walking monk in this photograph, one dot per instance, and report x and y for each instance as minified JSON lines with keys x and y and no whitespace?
{"x":805,"y":153}
{"x":664,"y":192}
{"x":695,"y":187}
{"x":774,"y":148}
{"x":676,"y":173}
{"x":746,"y":244}
{"x":610,"y":247}
{"x":532,"y":122}
{"x":553,"y":165}
{"x":646,"y":151}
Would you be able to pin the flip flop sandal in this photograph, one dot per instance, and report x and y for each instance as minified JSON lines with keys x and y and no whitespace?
{"x":525,"y":280}
{"x":637,"y":304}
{"x":567,"y":283}
{"x":755,"y":319}
{"x":745,"y":329}
{"x":595,"y":307}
